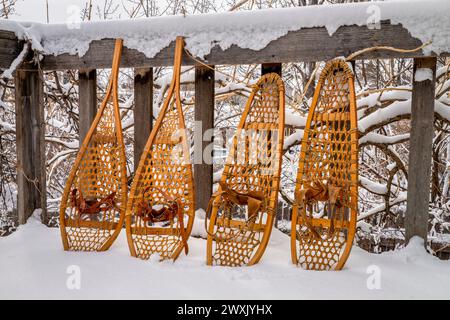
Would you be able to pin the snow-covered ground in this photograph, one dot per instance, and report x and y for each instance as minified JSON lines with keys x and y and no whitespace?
{"x":33,"y":265}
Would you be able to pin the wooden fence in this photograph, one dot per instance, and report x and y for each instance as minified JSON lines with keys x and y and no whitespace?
{"x":309,"y":44}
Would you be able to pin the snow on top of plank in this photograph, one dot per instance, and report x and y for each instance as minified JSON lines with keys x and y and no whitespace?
{"x":425,"y":20}
{"x":423,"y":74}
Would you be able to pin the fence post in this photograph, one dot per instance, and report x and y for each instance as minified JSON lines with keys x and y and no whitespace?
{"x":30,"y":130}
{"x":421,"y":140}
{"x":143,"y":110}
{"x":204,"y":114}
{"x":87,"y":93}
{"x":271,"y":67}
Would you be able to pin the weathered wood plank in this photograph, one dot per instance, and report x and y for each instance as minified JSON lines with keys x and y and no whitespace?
{"x":30,"y":129}
{"x":143,"y":110}
{"x":310,"y":44}
{"x":9,"y":35}
{"x":10,"y":48}
{"x":87,"y":100}
{"x":204,"y":122}
{"x":421,"y":140}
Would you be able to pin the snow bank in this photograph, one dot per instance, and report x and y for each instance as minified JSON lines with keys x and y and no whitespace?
{"x":33,"y":265}
{"x":426,"y":20}
{"x":198,"y":228}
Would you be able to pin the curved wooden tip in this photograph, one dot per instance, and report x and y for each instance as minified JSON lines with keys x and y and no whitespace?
{"x":179,"y":46}
{"x":337,"y":63}
{"x":117,"y":56}
{"x":180,"y":40}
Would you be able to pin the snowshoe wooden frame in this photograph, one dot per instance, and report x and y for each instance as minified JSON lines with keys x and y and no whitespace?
{"x":93,"y":204}
{"x":163,"y":177}
{"x":325,"y":208}
{"x":250,"y":180}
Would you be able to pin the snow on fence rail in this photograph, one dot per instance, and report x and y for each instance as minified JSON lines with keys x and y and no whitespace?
{"x":312,"y":33}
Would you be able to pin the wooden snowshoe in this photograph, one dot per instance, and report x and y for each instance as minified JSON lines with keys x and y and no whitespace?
{"x":93,"y":204}
{"x":242,"y":210}
{"x":160,"y":210}
{"x":326,"y":193}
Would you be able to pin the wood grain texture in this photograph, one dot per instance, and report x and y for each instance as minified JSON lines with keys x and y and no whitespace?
{"x":143,"y":109}
{"x":310,"y":44}
{"x":30,"y":127}
{"x":421,"y":140}
{"x":10,"y":48}
{"x":204,"y":117}
{"x":87,"y":100}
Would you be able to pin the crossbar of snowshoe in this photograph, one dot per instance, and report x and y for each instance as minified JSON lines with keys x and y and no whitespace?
{"x":236,"y":224}
{"x":260,"y":126}
{"x":157,"y":231}
{"x":241,"y":239}
{"x":325,"y":223}
{"x":334,"y":116}
{"x":71,"y":223}
{"x":103,"y":139}
{"x":168,"y":141}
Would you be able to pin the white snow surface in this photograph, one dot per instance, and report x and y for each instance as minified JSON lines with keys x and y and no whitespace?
{"x":423,"y":74}
{"x":33,"y":265}
{"x":425,"y":20}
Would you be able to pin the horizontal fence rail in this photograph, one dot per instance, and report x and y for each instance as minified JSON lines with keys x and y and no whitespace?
{"x":304,"y":45}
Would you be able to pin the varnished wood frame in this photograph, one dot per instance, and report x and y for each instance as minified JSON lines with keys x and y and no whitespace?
{"x":112,"y":89}
{"x":351,"y":226}
{"x":174,"y":89}
{"x":270,"y":217}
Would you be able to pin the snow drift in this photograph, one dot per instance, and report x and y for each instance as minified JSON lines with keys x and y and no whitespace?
{"x":33,"y":265}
